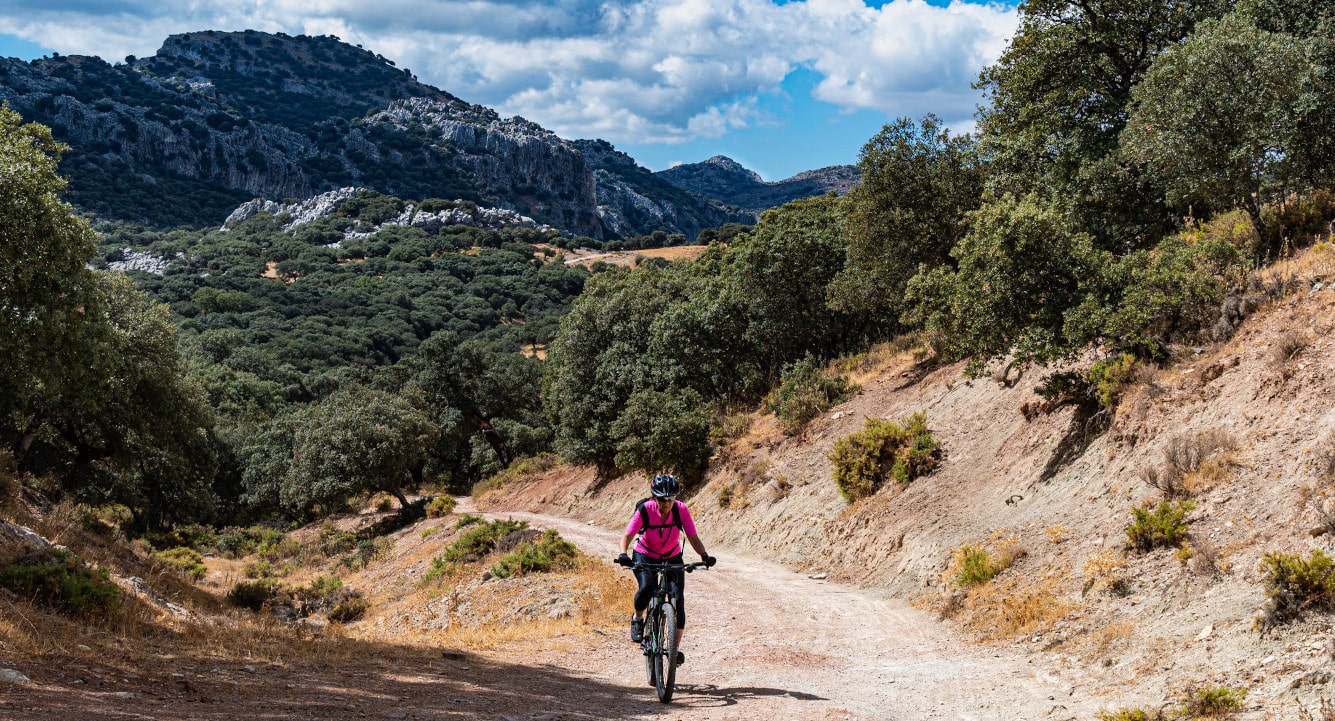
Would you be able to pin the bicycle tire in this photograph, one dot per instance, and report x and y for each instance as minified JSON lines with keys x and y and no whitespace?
{"x":649,"y":644}
{"x":666,"y":663}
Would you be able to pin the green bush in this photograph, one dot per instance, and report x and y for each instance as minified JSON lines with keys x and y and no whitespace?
{"x":252,"y":594}
{"x":239,"y":542}
{"x":334,"y":542}
{"x":976,"y":567}
{"x":882,"y":451}
{"x":806,"y":392}
{"x":367,"y":551}
{"x":551,"y":553}
{"x":1296,"y":584}
{"x":440,"y":506}
{"x":468,"y":519}
{"x":1129,"y":714}
{"x":1163,"y":526}
{"x":1214,"y":702}
{"x":1109,"y":378}
{"x":187,"y":560}
{"x":60,"y":580}
{"x":480,"y":541}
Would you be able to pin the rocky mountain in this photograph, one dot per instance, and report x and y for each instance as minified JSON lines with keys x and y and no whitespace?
{"x":215,"y":119}
{"x":724,"y":179}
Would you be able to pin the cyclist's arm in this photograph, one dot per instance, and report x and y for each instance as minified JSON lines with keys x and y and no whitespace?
{"x":697,"y":544}
{"x":625,"y":542}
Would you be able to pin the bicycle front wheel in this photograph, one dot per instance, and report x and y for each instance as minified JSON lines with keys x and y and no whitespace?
{"x":653,"y":634}
{"x":666,"y":659}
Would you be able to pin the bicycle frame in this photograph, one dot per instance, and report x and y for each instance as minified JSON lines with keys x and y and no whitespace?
{"x":660,"y":627}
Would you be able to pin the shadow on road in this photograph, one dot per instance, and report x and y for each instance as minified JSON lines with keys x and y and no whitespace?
{"x":710,"y":695}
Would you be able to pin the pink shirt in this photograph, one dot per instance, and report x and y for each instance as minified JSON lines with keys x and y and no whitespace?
{"x":661,"y":542}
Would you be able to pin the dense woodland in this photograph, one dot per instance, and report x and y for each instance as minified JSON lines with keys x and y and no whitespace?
{"x":1134,"y":161}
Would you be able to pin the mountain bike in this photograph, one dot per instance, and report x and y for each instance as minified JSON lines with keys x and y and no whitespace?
{"x":660,"y":627}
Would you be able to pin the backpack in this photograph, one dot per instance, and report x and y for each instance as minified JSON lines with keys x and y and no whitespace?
{"x":674,"y":518}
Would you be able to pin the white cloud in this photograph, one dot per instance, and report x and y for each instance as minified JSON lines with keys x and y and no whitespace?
{"x":628,"y":71}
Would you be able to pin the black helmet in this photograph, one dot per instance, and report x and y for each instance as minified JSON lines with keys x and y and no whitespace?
{"x":665,"y":484}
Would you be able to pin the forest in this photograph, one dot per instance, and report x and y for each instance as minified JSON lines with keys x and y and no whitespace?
{"x":1134,"y":160}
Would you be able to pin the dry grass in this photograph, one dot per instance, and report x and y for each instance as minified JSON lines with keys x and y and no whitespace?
{"x":892,"y":358}
{"x":1193,"y":463}
{"x":1102,"y":640}
{"x":1106,"y":571}
{"x":977,"y":563}
{"x":674,"y":253}
{"x":1016,"y":607}
{"x":1058,"y":534}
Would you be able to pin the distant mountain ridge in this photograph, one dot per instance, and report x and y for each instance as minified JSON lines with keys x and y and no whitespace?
{"x":727,"y":181}
{"x":215,"y":119}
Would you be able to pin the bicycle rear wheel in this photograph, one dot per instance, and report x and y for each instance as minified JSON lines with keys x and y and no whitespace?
{"x":666,"y":660}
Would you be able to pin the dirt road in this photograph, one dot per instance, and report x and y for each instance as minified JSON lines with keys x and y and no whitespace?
{"x":766,"y":643}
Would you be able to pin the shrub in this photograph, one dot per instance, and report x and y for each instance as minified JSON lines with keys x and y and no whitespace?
{"x":725,"y":495}
{"x":60,"y":580}
{"x":187,"y":560}
{"x":440,"y":506}
{"x":480,"y":541}
{"x":468,"y":519}
{"x":1163,"y":526}
{"x":1185,"y":456}
{"x":349,"y":610}
{"x":1109,"y":378}
{"x":1130,"y":714}
{"x":384,"y":505}
{"x":804,"y":393}
{"x":976,"y":564}
{"x":252,"y":594}
{"x":333,"y":542}
{"x":238,"y":542}
{"x":548,"y":554}
{"x":1214,"y":702}
{"x":1296,"y":584}
{"x":367,"y":551}
{"x":883,"y":450}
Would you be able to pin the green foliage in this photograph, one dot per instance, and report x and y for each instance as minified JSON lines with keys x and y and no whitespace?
{"x":550,"y":553}
{"x":252,"y":594}
{"x":1296,"y":584}
{"x":1162,"y":526}
{"x":664,"y":430}
{"x":1129,"y":714}
{"x":188,"y":560}
{"x":1217,"y":147}
{"x":1020,"y":269}
{"x":976,"y":567}
{"x":917,"y":183}
{"x":1109,"y":378}
{"x":479,"y":541}
{"x":367,"y":552}
{"x":882,"y":451}
{"x":805,"y":392}
{"x":60,"y":580}
{"x":440,"y":506}
{"x":356,"y":440}
{"x":1214,"y":702}
{"x":467,"y":519}
{"x":239,"y":542}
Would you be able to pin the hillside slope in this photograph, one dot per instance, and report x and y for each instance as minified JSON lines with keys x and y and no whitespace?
{"x":1067,"y":499}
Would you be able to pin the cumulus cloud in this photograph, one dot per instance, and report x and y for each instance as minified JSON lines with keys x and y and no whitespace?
{"x":631,"y":71}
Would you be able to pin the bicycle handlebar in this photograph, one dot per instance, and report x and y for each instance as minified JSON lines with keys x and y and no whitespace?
{"x":687,"y":567}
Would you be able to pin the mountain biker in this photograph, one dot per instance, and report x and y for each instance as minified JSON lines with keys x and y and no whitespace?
{"x":660,"y":522}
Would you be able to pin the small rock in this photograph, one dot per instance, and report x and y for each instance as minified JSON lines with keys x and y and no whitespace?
{"x":82,"y":647}
{"x":394,"y":714}
{"x":1205,"y":633}
{"x":1267,"y":659}
{"x":248,"y":668}
{"x":1315,"y":678}
{"x":818,"y":577}
{"x":14,"y":678}
{"x":126,"y":694}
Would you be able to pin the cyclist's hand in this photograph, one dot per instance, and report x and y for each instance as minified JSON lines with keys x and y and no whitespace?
{"x":624,"y":560}
{"x":709,"y":560}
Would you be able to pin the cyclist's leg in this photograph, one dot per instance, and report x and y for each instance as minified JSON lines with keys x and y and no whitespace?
{"x":648,"y":585}
{"x":680,"y":601}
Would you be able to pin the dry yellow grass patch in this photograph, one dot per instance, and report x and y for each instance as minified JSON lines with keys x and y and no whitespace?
{"x":1058,"y":534}
{"x":1106,"y":571}
{"x":881,"y":360}
{"x":1004,"y":609}
{"x":604,"y":595}
{"x":1102,"y":639}
{"x":674,"y":253}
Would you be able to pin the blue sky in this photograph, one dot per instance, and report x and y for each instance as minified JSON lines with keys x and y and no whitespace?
{"x":779,"y":86}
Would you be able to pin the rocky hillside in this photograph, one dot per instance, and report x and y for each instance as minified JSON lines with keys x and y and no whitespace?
{"x":220,"y":118}
{"x":727,"y":181}
{"x":1246,"y":426}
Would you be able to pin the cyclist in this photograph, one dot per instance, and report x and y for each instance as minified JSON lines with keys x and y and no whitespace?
{"x":660,"y":522}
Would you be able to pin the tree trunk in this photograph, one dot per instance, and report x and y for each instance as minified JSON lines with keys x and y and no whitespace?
{"x":497,"y":443}
{"x":403,"y":500}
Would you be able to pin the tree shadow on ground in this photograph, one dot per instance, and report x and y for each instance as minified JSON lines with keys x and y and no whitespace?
{"x":711,"y":695}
